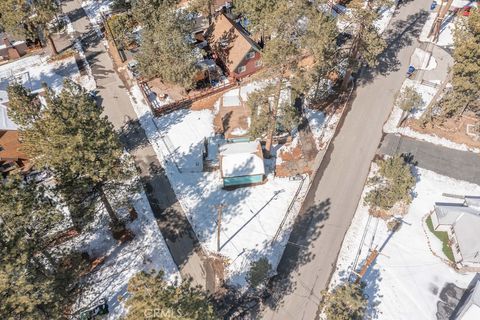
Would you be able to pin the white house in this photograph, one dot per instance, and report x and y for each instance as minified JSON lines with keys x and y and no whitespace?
{"x":462,"y":223}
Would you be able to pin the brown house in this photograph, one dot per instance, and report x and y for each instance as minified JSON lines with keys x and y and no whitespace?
{"x":10,"y":156}
{"x":233,"y":47}
{"x":11,"y":50}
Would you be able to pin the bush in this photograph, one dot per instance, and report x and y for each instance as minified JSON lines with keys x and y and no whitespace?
{"x":259,"y":271}
{"x":394,"y":181}
{"x":345,"y":302}
{"x":409,"y":99}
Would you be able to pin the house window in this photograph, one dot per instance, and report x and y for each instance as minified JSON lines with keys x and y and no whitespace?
{"x":258,"y":63}
{"x":250,"y":55}
{"x":241,"y":69}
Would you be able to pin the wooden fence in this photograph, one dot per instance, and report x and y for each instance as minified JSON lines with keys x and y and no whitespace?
{"x":159,"y":110}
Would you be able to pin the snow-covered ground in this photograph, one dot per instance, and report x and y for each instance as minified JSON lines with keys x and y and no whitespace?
{"x":147,"y":251}
{"x":386,"y":14}
{"x":33,"y":71}
{"x":251,"y":215}
{"x":406,"y":279}
{"x":445,"y":38}
{"x":422,"y":60}
{"x":95,"y":9}
{"x":322,"y":127}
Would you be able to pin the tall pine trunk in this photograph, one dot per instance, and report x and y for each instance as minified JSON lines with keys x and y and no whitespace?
{"x":108,"y":207}
{"x":353,"y":57}
{"x":271,"y":131}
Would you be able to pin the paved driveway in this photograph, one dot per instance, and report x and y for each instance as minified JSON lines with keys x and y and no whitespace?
{"x":452,"y":163}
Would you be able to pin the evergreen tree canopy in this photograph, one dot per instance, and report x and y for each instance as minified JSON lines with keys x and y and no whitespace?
{"x":409,"y":99}
{"x":367,"y":43}
{"x":259,"y":272}
{"x":28,"y":287}
{"x":297,"y":30}
{"x":151,"y":293}
{"x":393,"y":183}
{"x":345,"y":302}
{"x":165,"y":49}
{"x":466,"y":68}
{"x":28,"y":17}
{"x":72,"y":138}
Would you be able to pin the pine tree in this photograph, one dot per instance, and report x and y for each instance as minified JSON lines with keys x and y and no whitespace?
{"x":165,"y":51}
{"x":151,"y":294}
{"x":466,"y":68}
{"x":80,"y":146}
{"x":259,"y":272}
{"x":345,"y":302}
{"x":297,"y":29}
{"x":29,"y":17}
{"x":393,"y":183}
{"x":29,"y":287}
{"x":409,"y":99}
{"x":367,"y":42}
{"x":122,"y":26}
{"x":258,"y":13}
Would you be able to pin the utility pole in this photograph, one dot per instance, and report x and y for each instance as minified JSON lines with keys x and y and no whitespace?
{"x":219,"y":224}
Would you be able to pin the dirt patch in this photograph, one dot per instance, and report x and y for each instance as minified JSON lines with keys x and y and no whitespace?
{"x":232,"y":121}
{"x":293,"y":160}
{"x":206,"y":103}
{"x":452,"y":129}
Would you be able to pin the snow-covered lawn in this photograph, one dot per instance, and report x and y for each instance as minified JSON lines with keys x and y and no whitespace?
{"x":251,"y":215}
{"x":406,"y":279}
{"x":32,"y":71}
{"x":147,"y":251}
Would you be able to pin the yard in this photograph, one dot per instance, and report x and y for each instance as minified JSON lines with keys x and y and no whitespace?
{"x":443,"y":237}
{"x":407,"y":278}
{"x":256,"y":220}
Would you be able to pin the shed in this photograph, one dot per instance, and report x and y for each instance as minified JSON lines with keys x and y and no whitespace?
{"x":241,"y":163}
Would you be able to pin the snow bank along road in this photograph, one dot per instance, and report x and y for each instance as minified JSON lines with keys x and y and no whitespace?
{"x":310,"y":257}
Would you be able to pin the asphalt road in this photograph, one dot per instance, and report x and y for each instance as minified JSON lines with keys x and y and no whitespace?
{"x":453,"y":163}
{"x":113,"y":96}
{"x":310,"y":256}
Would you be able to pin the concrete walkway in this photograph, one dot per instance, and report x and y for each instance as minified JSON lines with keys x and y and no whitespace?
{"x":311,"y":254}
{"x":113,"y":96}
{"x":452,"y":163}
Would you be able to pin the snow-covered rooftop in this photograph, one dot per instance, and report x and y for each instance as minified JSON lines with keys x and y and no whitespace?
{"x":239,"y":147}
{"x":466,"y":231}
{"x":32,"y":72}
{"x":5,"y":122}
{"x":243,"y":164}
{"x":449,"y":213}
{"x":472,"y":201}
{"x":241,"y":159}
